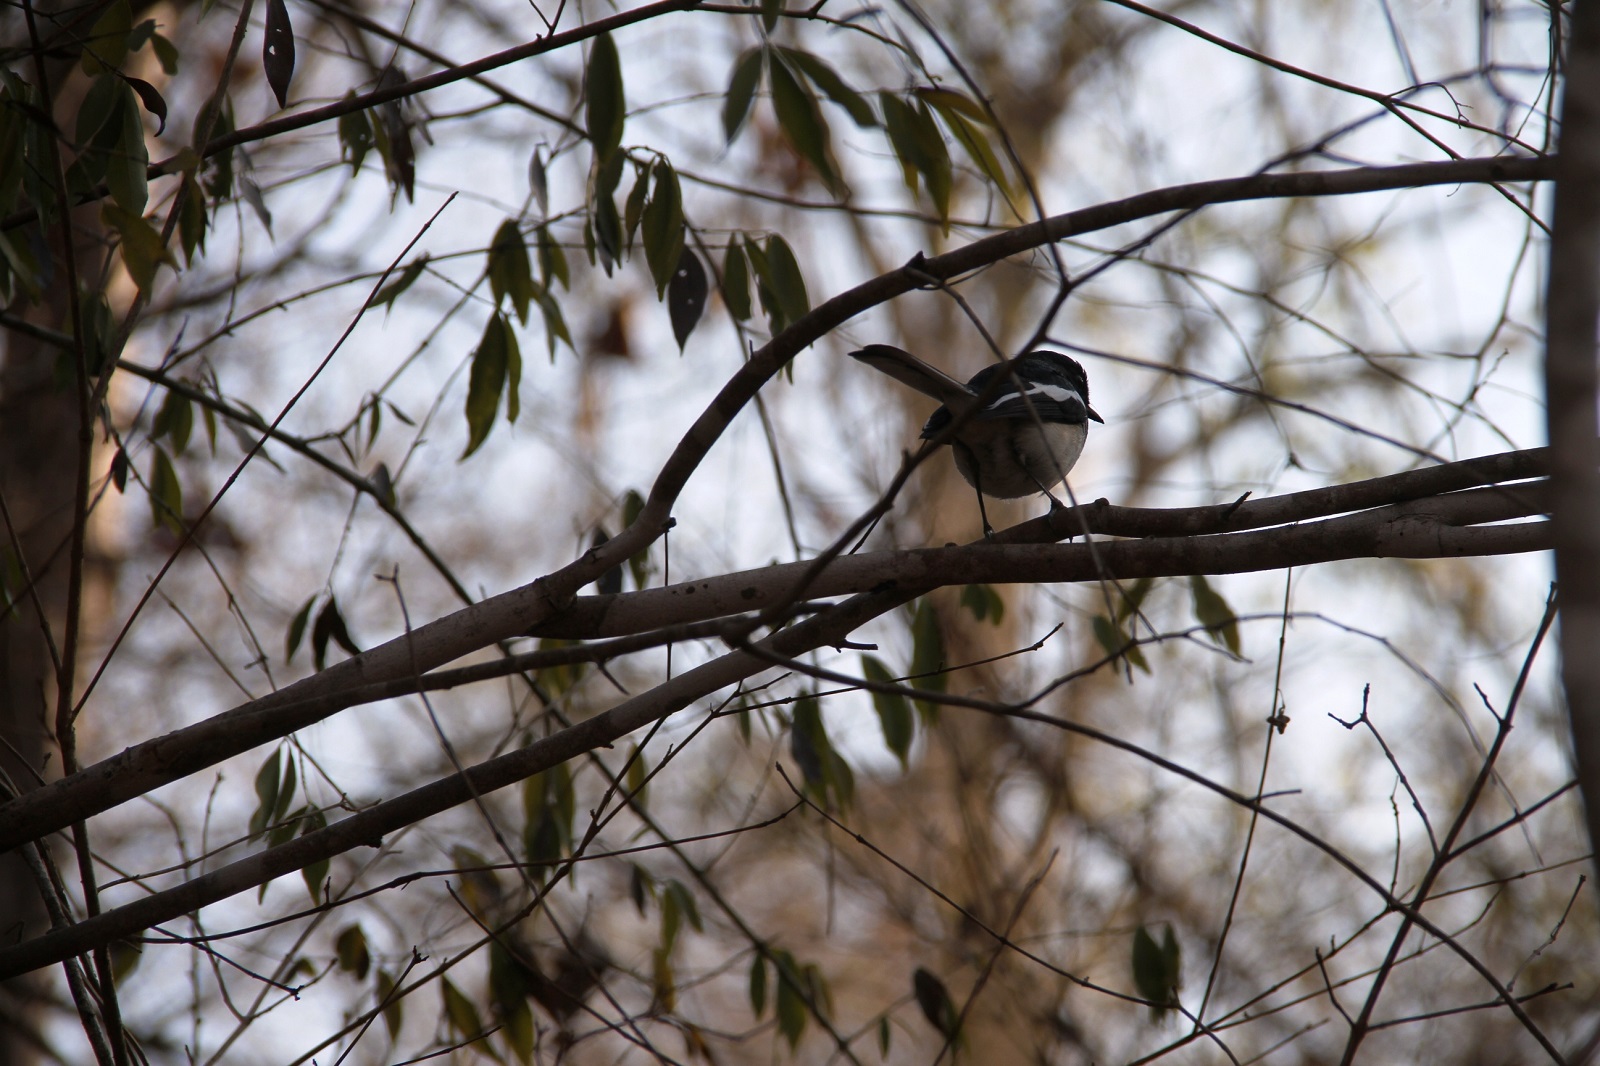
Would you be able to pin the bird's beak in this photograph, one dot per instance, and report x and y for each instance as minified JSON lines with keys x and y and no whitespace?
{"x":1095,"y":416}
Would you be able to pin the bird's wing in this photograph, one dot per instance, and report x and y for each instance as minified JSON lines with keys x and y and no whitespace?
{"x":909,"y":370}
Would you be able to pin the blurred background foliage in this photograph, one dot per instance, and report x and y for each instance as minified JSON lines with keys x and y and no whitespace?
{"x":804,"y":872}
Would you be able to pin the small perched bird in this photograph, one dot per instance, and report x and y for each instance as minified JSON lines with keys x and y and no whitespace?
{"x":1023,"y":432}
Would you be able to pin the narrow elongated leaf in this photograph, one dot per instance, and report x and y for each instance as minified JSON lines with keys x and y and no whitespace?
{"x":976,"y":144}
{"x":791,"y":1007}
{"x":1157,"y":970}
{"x":393,"y":1012}
{"x":736,"y":282}
{"x":686,"y":295}
{"x":142,"y":249}
{"x":552,"y":261}
{"x":604,"y":108}
{"x":127,"y":160}
{"x":662,"y":226}
{"x":315,"y":874}
{"x":801,"y":120}
{"x":780,"y":283}
{"x":633,"y":207}
{"x":386,"y":296}
{"x":356,"y":136}
{"x":837,"y":89}
{"x":175,"y":421}
{"x":166,"y":495}
{"x":933,"y":149}
{"x":297,"y":628}
{"x":927,"y":657}
{"x":100,"y":103}
{"x":742,"y":91}
{"x":152,"y":101}
{"x":277,"y":53}
{"x":1213,"y":612}
{"x":107,"y":44}
{"x":510,"y":274}
{"x":894,"y":713}
{"x":267,"y":778}
{"x":486,"y":381}
{"x":758,"y":985}
{"x":951,"y":100}
{"x":935,"y":1002}
{"x":1115,"y":640}
{"x":459,"y":1011}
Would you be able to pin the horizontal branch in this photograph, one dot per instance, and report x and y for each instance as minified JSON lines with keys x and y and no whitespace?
{"x":1437,"y":527}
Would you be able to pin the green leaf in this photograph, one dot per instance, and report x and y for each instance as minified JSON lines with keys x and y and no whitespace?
{"x":984,"y":602}
{"x":166,"y":53}
{"x":166,"y":495}
{"x":638,"y":777}
{"x":603,"y":98}
{"x":779,"y":283}
{"x":555,"y":326}
{"x":267,"y":779}
{"x":107,"y":43}
{"x":329,"y":625}
{"x":487,"y":380}
{"x":393,"y":1013}
{"x":791,"y":1006}
{"x":192,"y":219}
{"x":356,"y":137}
{"x":142,"y":249}
{"x":934,"y":1000}
{"x":770,"y":10}
{"x":808,"y":742}
{"x":801,"y":121}
{"x":837,"y":89}
{"x":510,"y":984}
{"x":1115,"y":640}
{"x":758,"y":985}
{"x":277,"y":50}
{"x":633,"y":208}
{"x":552,"y":260}
{"x":126,"y":158}
{"x":1133,"y":598}
{"x":742,"y":91}
{"x":297,"y":628}
{"x":386,"y":296}
{"x":315,"y":873}
{"x":509,"y":272}
{"x":662,"y":227}
{"x":665,"y":990}
{"x":894,"y":712}
{"x":927,"y":657}
{"x":1156,"y":970}
{"x":100,"y":103}
{"x":736,"y":282}
{"x":459,"y":1011}
{"x":351,"y":950}
{"x":919,"y":147}
{"x":607,"y":233}
{"x":686,"y":296}
{"x":976,"y":145}
{"x":1213,"y":612}
{"x":175,"y":421}
{"x":949,"y":100}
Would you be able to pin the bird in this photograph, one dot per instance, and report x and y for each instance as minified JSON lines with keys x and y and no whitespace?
{"x":1020,"y":434}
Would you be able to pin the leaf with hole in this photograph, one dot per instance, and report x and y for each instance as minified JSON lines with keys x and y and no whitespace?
{"x":686,"y":296}
{"x":277,"y":52}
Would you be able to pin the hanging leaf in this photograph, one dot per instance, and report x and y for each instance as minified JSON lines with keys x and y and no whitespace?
{"x":386,"y":296}
{"x":330,"y":626}
{"x":801,"y":121}
{"x":315,"y":874}
{"x":779,"y":283}
{"x":175,"y":421}
{"x":633,"y":208}
{"x":119,"y":470}
{"x":736,"y":282}
{"x":152,"y":101}
{"x":741,"y":91}
{"x":791,"y":1005}
{"x":1116,"y":641}
{"x":126,"y":159}
{"x":758,"y":985}
{"x":1213,"y":612}
{"x":166,"y":495}
{"x":894,"y":713}
{"x":951,"y":101}
{"x":277,"y":53}
{"x":192,"y":219}
{"x":487,"y":380}
{"x":827,"y":79}
{"x":1157,"y":970}
{"x":603,"y":99}
{"x":459,"y":1011}
{"x":927,"y":657}
{"x":662,"y":226}
{"x":686,"y":296}
{"x":984,"y":602}
{"x":935,"y":1002}
{"x":393,"y":1013}
{"x":552,"y":260}
{"x":356,"y":136}
{"x":932,"y":149}
{"x":267,"y":784}
{"x":351,"y":950}
{"x":107,"y":44}
{"x":539,"y":180}
{"x":297,"y":629}
{"x":509,"y":271}
{"x":770,"y":10}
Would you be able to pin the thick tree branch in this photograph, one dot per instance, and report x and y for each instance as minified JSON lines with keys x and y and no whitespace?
{"x":1571,"y":383}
